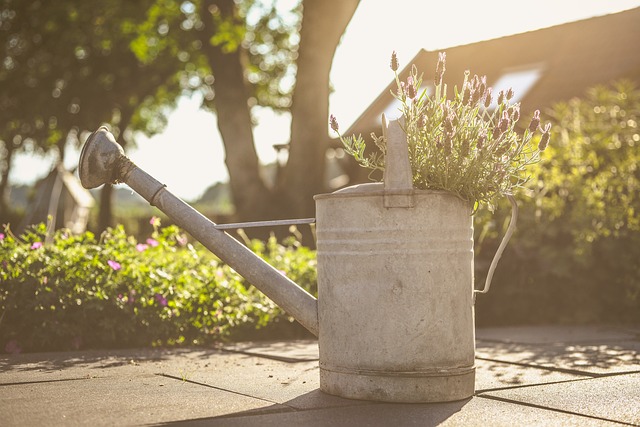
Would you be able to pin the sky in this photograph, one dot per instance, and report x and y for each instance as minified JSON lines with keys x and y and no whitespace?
{"x":189,"y":157}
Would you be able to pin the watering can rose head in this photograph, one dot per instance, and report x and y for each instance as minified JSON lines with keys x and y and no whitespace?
{"x":466,"y":144}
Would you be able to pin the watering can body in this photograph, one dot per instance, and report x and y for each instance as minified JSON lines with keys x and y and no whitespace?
{"x":394,"y":314}
{"x":395,"y":288}
{"x":395,"y":296}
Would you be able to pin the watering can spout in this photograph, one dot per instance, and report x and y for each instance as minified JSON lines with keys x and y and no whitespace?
{"x":103,"y":161}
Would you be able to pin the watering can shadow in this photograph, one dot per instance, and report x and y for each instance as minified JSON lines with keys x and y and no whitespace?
{"x":394,"y":315}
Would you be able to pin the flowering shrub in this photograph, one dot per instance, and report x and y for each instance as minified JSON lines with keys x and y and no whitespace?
{"x":466,"y":144}
{"x":79,"y":292}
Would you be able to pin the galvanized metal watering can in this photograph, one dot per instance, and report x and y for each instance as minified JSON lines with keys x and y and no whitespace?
{"x":394,"y":315}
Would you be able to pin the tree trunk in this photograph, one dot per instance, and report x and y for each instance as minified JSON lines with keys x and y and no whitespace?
{"x":105,"y":215}
{"x":4,"y":178}
{"x":323,"y":23}
{"x":250,"y":195}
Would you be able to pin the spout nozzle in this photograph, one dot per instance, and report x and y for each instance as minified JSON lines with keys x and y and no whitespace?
{"x":99,"y":159}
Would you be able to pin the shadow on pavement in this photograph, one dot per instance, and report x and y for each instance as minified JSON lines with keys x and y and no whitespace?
{"x":334,"y":411}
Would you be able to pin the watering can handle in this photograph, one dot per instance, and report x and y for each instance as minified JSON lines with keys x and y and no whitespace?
{"x":398,"y":177}
{"x":503,"y":244}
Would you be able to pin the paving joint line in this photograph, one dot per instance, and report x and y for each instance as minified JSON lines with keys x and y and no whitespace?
{"x":568,"y":343}
{"x":513,"y":387}
{"x":613,"y":374}
{"x":45,"y":381}
{"x":562,"y":370}
{"x":173,"y":377}
{"x":547,"y":368}
{"x":271,"y":357}
{"x":564,"y":411}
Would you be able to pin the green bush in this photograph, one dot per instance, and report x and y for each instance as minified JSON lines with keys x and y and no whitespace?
{"x":79,"y":292}
{"x":575,"y":256}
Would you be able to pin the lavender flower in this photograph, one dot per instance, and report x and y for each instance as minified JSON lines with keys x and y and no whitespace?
{"x":411,"y":88}
{"x":488,"y":97}
{"x":515,"y":113}
{"x":440,"y":68}
{"x":475,"y":96}
{"x":509,"y":94}
{"x":334,"y":122}
{"x":535,"y":121}
{"x":483,"y":85}
{"x":466,"y":95}
{"x":394,"y":61}
{"x":504,"y":122}
{"x":544,"y":139}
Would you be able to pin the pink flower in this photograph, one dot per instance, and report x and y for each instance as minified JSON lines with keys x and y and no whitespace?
{"x":1,"y":237}
{"x":182,"y":240}
{"x":36,"y":245}
{"x":152,"y":242}
{"x":155,"y":221}
{"x":114,"y":264}
{"x":141,"y":247}
{"x":161,"y":300}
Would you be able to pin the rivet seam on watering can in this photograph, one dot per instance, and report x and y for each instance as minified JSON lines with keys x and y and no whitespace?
{"x":386,"y":373}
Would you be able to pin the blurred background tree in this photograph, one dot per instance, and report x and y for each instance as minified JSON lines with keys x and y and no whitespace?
{"x":67,"y":69}
{"x":71,"y":66}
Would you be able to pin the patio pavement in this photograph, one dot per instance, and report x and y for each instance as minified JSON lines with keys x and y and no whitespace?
{"x":527,"y":376}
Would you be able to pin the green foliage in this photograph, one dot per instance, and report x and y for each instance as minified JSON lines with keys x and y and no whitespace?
{"x":465,"y":144}
{"x":575,"y":255}
{"x":267,"y":31}
{"x":72,"y":60}
{"x":79,"y":292}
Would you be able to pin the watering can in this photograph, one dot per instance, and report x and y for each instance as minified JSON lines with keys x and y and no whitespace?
{"x":395,"y":310}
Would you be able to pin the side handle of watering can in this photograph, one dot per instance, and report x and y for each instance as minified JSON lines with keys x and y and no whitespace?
{"x":503,"y":244}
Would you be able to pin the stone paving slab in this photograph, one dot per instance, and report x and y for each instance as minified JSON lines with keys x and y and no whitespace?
{"x":594,"y":359}
{"x":94,"y":363}
{"x":615,"y":398}
{"x":566,"y":378}
{"x":286,"y":351}
{"x":469,"y":413}
{"x":499,"y":375}
{"x":559,"y":334}
{"x":124,"y":400}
